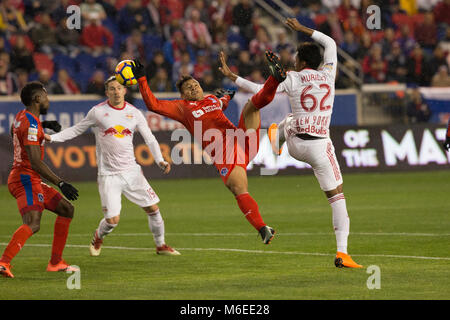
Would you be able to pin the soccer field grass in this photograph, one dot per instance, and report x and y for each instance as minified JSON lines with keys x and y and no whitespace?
{"x":399,"y":222}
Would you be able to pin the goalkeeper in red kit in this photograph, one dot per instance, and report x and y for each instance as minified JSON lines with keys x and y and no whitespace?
{"x":197,"y":110}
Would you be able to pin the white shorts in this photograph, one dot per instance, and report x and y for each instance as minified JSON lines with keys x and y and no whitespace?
{"x":132,"y":184}
{"x":319,"y":154}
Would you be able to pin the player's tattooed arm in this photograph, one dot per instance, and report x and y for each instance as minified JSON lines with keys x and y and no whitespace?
{"x":225,"y":69}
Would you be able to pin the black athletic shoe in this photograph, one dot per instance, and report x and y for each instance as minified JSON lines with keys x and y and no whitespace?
{"x":267,"y":233}
{"x":276,"y":69}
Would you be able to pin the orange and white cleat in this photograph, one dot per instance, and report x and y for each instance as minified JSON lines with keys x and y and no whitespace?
{"x":5,"y":270}
{"x":96,"y":245}
{"x":344,"y":260}
{"x":61,"y":266}
{"x":273,"y":138}
{"x":166,"y":250}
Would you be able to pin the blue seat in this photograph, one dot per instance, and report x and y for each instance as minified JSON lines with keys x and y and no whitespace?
{"x":65,"y":62}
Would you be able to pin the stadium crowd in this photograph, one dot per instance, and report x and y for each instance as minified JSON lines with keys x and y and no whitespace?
{"x":175,"y":37}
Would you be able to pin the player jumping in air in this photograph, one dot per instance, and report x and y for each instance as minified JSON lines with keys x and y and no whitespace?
{"x":115,"y":121}
{"x":25,"y":184}
{"x":197,"y":110}
{"x":311,"y":94}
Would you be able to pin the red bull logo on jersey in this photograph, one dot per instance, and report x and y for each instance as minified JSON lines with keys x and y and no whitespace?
{"x":118,"y":132}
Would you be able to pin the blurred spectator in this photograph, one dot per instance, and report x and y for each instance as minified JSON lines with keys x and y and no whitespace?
{"x":21,"y":57}
{"x":97,"y":83}
{"x":202,"y":65}
{"x":350,"y":45}
{"x":354,"y":24}
{"x":51,"y":86}
{"x":242,"y":17}
{"x":417,"y":68}
{"x":97,"y":38}
{"x":426,"y":32}
{"x":245,"y":64}
{"x":22,"y":79}
{"x":441,"y":12}
{"x":198,"y":5}
{"x":257,"y":76}
{"x":59,"y":9}
{"x":90,"y":9}
{"x":417,"y":110}
{"x":33,"y":8}
{"x":406,"y":41}
{"x":260,"y":44}
{"x":68,"y":39}
{"x":208,"y":82}
{"x":397,"y":67}
{"x":8,"y":81}
{"x":174,"y":48}
{"x":197,"y":32}
{"x":426,"y":5}
{"x":66,"y":83}
{"x":134,"y":45}
{"x":43,"y":34}
{"x":344,"y":10}
{"x":184,"y":63}
{"x":110,"y":8}
{"x":154,"y":9}
{"x":332,"y":28}
{"x":160,"y":82}
{"x":441,"y":78}
{"x":221,"y":9}
{"x":158,"y":62}
{"x":132,"y":16}
{"x":388,"y":40}
{"x":171,"y":10}
{"x":437,"y":59}
{"x":364,"y":48}
{"x":283,"y":42}
{"x":11,"y":19}
{"x":374,"y":66}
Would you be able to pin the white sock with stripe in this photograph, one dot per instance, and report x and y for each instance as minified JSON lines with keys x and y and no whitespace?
{"x":341,"y":221}
{"x":156,"y":225}
{"x":105,"y":228}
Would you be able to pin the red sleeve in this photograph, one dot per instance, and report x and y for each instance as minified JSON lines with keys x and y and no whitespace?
{"x":28,"y":133}
{"x":170,"y":108}
{"x":225,"y":100}
{"x":448,"y":128}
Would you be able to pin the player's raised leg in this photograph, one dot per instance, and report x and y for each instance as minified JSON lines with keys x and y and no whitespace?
{"x":31,"y":224}
{"x":64,"y":209}
{"x":156,"y":226}
{"x":238,"y":184}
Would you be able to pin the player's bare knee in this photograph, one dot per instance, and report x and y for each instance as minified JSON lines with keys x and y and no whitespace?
{"x":151,"y":209}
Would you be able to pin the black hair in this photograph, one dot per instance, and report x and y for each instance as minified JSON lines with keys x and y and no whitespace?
{"x":182,"y":80}
{"x":29,"y":90}
{"x":310,"y":53}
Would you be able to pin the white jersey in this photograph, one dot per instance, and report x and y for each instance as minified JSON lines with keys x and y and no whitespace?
{"x":311,"y":92}
{"x":114,"y":129}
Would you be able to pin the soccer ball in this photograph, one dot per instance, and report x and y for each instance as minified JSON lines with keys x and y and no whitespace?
{"x":124,"y":74}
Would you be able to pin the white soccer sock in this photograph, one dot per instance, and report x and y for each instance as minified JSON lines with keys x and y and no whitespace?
{"x":105,"y":228}
{"x":156,"y":225}
{"x":341,"y":221}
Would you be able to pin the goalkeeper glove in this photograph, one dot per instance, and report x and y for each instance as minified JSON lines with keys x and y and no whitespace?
{"x":69,"y":191}
{"x":138,"y":69}
{"x":54,"y":125}
{"x":447,"y":143}
{"x":219,"y":93}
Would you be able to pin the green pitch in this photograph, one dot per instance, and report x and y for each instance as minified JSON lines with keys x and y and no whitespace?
{"x":399,"y":222}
